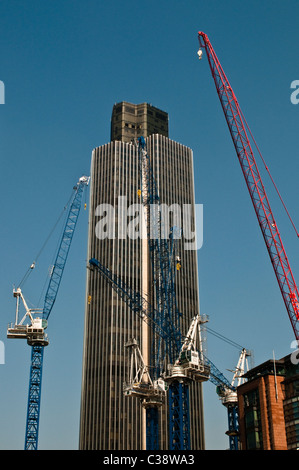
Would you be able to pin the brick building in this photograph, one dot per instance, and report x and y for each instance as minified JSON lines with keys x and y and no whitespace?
{"x":269,"y":406}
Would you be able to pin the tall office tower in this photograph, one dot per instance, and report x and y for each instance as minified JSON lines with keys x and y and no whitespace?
{"x":110,"y":420}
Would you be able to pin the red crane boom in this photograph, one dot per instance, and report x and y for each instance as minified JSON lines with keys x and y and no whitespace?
{"x":235,"y":122}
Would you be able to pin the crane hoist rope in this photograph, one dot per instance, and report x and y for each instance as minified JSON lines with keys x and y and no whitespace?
{"x":43,"y":246}
{"x":223,"y":338}
{"x":269,"y":173}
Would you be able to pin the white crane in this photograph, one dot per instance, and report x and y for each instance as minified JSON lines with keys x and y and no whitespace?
{"x":31,"y":326}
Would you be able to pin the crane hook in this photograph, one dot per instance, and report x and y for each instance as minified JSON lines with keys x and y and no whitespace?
{"x":199,"y":53}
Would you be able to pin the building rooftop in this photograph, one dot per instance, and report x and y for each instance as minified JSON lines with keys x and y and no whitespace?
{"x":130,"y":121}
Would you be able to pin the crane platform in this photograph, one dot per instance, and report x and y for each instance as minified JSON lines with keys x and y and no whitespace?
{"x":187,"y":372}
{"x":34,"y":333}
{"x":147,"y":391}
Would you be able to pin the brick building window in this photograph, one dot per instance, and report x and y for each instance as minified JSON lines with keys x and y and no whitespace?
{"x":253,"y":428}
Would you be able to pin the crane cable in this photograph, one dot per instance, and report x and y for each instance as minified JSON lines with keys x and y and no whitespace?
{"x":32,"y":266}
{"x":267,"y":169}
{"x":224,"y":338}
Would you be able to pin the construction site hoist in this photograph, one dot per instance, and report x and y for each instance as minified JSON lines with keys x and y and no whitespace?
{"x":33,"y":324}
{"x":237,"y":127}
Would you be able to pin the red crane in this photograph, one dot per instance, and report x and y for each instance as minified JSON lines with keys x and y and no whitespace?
{"x":236,"y":123}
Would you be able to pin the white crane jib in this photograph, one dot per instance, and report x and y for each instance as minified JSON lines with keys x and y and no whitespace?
{"x":140,"y":383}
{"x":191,"y":364}
{"x":229,"y":396}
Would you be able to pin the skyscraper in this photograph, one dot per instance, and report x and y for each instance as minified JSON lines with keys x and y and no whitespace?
{"x":109,"y":420}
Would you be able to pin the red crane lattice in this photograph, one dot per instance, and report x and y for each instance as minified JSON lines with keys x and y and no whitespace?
{"x":236,"y":124}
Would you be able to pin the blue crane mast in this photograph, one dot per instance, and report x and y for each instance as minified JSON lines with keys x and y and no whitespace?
{"x":162,"y":247}
{"x":162,"y":255}
{"x":227,"y":392}
{"x":34,"y":332}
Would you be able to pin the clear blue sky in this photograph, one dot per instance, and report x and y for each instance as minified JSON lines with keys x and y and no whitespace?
{"x":64,"y":64}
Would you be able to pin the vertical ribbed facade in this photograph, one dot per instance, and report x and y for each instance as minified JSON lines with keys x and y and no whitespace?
{"x":109,"y":420}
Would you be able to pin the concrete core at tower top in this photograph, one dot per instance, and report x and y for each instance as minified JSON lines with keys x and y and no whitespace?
{"x":130,"y":121}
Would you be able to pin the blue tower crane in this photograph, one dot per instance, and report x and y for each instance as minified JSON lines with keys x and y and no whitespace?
{"x":185,"y":363}
{"x":34,"y":331}
{"x":151,"y":393}
{"x":184,"y":368}
{"x":202,"y":370}
{"x":162,"y":256}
